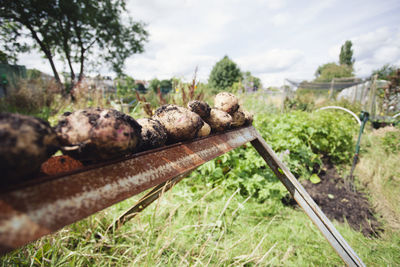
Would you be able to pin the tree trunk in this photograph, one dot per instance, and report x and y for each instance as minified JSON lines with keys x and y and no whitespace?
{"x":49,"y":56}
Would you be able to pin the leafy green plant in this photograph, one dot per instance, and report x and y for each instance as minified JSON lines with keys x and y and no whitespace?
{"x":391,"y":142}
{"x":300,"y":139}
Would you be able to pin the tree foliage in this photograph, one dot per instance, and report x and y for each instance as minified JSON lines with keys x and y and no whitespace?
{"x":224,"y":74}
{"x":3,"y":57}
{"x":164,"y":85}
{"x":346,"y":54}
{"x":385,"y":72}
{"x":73,"y":31}
{"x":250,"y":82}
{"x":328,"y":71}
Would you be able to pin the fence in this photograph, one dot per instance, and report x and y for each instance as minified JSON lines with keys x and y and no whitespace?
{"x":357,"y":91}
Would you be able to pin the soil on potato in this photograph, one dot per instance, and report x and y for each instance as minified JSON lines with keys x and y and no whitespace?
{"x":340,"y":203}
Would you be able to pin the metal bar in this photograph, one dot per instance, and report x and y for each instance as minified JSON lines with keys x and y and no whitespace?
{"x":307,"y":204}
{"x":144,"y":202}
{"x":44,"y":206}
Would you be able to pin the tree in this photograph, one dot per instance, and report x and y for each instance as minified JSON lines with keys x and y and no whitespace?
{"x":125,"y":86}
{"x":250,"y":82}
{"x":346,"y":54}
{"x":154,"y":84}
{"x":385,"y":72}
{"x":327,"y":72}
{"x":166,"y":86}
{"x":73,"y":31}
{"x":3,"y":57}
{"x":224,"y":73}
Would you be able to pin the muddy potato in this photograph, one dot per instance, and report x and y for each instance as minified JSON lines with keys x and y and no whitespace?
{"x":153,"y":133}
{"x":219,"y":120}
{"x":204,"y":131}
{"x":95,"y":134}
{"x":25,"y":143}
{"x":248,"y":117}
{"x":180,"y":123}
{"x":238,"y":118}
{"x":227,"y":102}
{"x":199,"y":107}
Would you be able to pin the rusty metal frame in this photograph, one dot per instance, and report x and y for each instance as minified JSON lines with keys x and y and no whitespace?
{"x":45,"y":205}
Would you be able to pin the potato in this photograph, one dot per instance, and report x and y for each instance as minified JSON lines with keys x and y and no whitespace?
{"x":227,"y":102}
{"x":219,"y":120}
{"x":97,"y":134}
{"x":59,"y":164}
{"x":204,"y":131}
{"x":25,"y":143}
{"x":248,"y":117}
{"x":238,"y":119}
{"x":153,"y":133}
{"x":180,"y":123}
{"x":199,"y":107}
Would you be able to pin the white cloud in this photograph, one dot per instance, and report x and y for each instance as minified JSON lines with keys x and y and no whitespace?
{"x":274,"y":60}
{"x":374,"y":49}
{"x":274,"y":39}
{"x":280,"y":19}
{"x":274,"y":4}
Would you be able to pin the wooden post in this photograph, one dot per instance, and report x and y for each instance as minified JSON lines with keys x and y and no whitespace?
{"x":372,"y":97}
{"x":364,"y":92}
{"x":355,"y":95}
{"x":332,"y":89}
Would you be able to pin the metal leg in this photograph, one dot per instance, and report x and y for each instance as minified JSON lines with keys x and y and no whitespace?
{"x":144,"y":202}
{"x":307,"y":203}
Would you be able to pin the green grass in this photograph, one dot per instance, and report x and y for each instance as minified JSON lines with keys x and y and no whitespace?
{"x":206,"y":226}
{"x":379,"y":172}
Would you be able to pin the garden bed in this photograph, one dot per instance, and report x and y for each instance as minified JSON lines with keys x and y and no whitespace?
{"x":340,"y":203}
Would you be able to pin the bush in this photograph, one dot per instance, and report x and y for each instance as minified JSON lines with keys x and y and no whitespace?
{"x":33,"y":96}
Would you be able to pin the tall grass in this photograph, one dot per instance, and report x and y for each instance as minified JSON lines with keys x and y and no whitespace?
{"x":202,"y":227}
{"x":379,"y":171}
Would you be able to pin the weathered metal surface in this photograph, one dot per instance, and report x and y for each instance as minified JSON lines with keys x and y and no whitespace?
{"x":304,"y":200}
{"x":48,"y":204}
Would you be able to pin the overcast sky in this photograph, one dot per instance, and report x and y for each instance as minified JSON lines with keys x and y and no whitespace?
{"x":274,"y":40}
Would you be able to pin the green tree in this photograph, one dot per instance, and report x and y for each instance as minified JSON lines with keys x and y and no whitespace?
{"x":166,"y":86}
{"x":125,"y":86}
{"x":346,"y":54}
{"x":327,"y":72}
{"x":73,"y":31}
{"x":385,"y":72}
{"x":154,"y":84}
{"x":224,"y":74}
{"x":3,"y":57}
{"x":250,"y":82}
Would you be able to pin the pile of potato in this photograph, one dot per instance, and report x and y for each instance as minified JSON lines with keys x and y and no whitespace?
{"x":95,"y":134}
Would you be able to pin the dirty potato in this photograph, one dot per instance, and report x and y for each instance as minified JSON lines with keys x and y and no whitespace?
{"x":204,"y":131}
{"x":180,"y":123}
{"x":227,"y":102}
{"x":199,"y":107}
{"x":25,"y":143}
{"x":219,"y":120}
{"x":153,"y":133}
{"x":248,"y":117}
{"x":95,"y":134}
{"x":238,"y":119}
